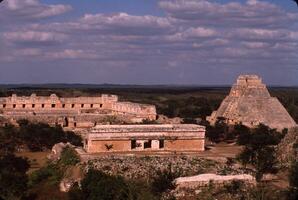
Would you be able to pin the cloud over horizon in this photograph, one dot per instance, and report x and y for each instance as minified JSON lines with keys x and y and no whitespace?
{"x":191,"y":42}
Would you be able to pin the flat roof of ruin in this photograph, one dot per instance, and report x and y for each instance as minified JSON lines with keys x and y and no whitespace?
{"x":146,"y":128}
{"x":33,"y":95}
{"x":148,"y":131}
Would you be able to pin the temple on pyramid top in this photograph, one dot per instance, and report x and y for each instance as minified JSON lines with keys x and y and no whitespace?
{"x":250,"y":103}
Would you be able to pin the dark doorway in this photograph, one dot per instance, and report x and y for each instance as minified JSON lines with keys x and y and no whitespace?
{"x":65,"y":123}
{"x":161,"y":144}
{"x":147,"y":144}
{"x":133,"y":144}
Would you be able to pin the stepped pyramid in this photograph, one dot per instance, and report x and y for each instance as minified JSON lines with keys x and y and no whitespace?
{"x":250,"y":103}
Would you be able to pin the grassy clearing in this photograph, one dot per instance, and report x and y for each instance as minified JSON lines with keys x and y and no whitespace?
{"x":36,"y":159}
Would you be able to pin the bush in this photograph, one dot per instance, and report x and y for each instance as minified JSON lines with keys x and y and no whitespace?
{"x":13,"y":178}
{"x":293,"y":181}
{"x":98,"y":185}
{"x":69,"y":156}
{"x":163,"y":181}
{"x":9,"y":140}
{"x":259,"y":150}
{"x":218,"y":132}
{"x":234,"y":187}
{"x":51,"y":173}
{"x":40,"y":136}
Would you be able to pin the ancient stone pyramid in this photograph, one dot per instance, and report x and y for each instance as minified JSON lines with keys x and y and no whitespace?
{"x":250,"y":103}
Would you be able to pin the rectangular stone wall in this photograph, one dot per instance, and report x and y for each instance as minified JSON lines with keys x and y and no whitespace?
{"x":100,"y":146}
{"x":97,"y":146}
{"x":185,"y":145}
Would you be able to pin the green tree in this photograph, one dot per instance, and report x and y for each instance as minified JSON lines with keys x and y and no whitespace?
{"x":69,"y":156}
{"x":293,"y":176}
{"x":13,"y":178}
{"x":259,"y":151}
{"x":243,"y":134}
{"x":163,"y":180}
{"x":99,"y":186}
{"x":9,"y":140}
{"x":293,"y":181}
{"x":40,"y":136}
{"x":52,"y":173}
{"x":218,"y":132}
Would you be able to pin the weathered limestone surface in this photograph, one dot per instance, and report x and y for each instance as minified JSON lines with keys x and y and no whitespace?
{"x":145,"y":167}
{"x":73,"y":112}
{"x":250,"y":103}
{"x":203,"y":180}
{"x":170,"y":137}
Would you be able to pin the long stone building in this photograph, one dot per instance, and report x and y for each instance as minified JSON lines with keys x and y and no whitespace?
{"x":157,"y":137}
{"x":77,"y":112}
{"x":250,"y":103}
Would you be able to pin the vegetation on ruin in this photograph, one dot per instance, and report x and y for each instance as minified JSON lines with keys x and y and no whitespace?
{"x":259,"y":150}
{"x":35,"y":136}
{"x":238,"y":190}
{"x":293,"y":176}
{"x":13,"y":177}
{"x":52,"y":173}
{"x":50,"y":176}
{"x":97,"y":185}
{"x":163,"y":180}
{"x":69,"y":156}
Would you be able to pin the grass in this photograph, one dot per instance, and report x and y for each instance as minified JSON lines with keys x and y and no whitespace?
{"x":36,"y":159}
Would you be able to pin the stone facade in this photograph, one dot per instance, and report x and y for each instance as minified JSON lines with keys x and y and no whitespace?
{"x":74,"y":112}
{"x":250,"y":103}
{"x":130,"y":138}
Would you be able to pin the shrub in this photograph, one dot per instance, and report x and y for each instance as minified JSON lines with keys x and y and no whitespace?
{"x":163,"y":181}
{"x":69,"y":157}
{"x":259,"y":150}
{"x":293,"y":181}
{"x":234,"y":187}
{"x":13,"y":178}
{"x":52,"y":173}
{"x":98,"y":185}
{"x":40,"y":136}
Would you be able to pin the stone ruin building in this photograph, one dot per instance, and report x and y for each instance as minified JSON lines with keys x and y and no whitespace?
{"x":84,"y":114}
{"x":153,"y":137}
{"x":250,"y":103}
{"x":76,"y":112}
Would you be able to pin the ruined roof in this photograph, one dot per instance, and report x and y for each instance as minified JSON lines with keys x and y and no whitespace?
{"x":54,"y":98}
{"x":250,"y":103}
{"x":146,"y":128}
{"x":148,"y":131}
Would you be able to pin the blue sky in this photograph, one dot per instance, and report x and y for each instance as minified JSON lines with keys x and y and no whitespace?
{"x":148,"y":41}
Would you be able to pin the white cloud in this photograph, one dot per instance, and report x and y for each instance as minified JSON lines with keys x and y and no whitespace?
{"x":251,"y":14}
{"x":16,"y":10}
{"x":191,"y":32}
{"x":72,"y":54}
{"x":34,"y":36}
{"x":28,"y":52}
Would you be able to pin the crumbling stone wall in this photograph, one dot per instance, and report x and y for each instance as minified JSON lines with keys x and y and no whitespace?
{"x":145,"y":167}
{"x":73,"y":112}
